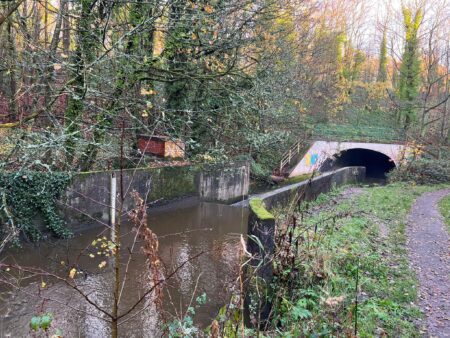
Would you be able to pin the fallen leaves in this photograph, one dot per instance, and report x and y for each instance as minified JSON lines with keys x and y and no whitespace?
{"x":72,"y":273}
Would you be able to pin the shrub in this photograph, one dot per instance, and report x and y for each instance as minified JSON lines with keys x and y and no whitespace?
{"x":422,"y":171}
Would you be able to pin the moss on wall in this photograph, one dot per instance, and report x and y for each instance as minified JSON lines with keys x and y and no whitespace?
{"x":259,"y":209}
{"x":172,"y":182}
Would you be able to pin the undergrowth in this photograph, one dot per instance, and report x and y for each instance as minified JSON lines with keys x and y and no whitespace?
{"x":444,"y":206}
{"x":422,"y":171}
{"x":343,"y":270}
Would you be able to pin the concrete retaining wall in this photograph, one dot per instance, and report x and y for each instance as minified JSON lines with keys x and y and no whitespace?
{"x":310,"y":189}
{"x":87,"y":199}
{"x":224,"y":184}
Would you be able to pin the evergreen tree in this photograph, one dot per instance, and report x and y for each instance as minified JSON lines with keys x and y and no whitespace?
{"x":382,"y":68}
{"x":408,"y":87}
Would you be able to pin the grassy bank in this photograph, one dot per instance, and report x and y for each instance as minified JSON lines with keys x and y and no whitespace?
{"x":344,"y":268}
{"x":444,"y":207}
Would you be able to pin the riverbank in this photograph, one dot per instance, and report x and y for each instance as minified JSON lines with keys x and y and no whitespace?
{"x":341,"y":266}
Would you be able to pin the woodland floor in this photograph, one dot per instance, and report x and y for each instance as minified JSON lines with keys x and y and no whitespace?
{"x":429,"y":252}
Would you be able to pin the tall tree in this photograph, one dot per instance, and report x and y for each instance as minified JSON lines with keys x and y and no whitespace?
{"x":382,"y":67}
{"x":408,"y":90}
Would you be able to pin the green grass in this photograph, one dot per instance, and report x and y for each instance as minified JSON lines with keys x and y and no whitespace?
{"x":349,"y":242}
{"x":444,"y":207}
{"x":354,"y":132}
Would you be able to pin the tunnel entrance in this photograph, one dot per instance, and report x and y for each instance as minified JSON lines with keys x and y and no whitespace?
{"x":377,"y":164}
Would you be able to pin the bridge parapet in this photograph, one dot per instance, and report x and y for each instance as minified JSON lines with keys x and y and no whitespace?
{"x":358,"y":133}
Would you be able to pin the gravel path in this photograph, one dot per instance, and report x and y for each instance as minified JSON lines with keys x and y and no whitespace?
{"x":429,"y":252}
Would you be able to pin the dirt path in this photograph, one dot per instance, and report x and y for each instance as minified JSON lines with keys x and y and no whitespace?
{"x":429,"y":252}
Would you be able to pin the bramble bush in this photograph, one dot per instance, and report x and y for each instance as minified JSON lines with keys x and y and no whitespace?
{"x":422,"y":171}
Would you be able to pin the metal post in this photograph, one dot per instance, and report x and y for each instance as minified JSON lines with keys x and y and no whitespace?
{"x":112,"y":211}
{"x":290,"y":155}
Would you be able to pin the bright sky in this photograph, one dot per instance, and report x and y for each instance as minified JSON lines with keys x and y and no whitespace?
{"x":376,"y":12}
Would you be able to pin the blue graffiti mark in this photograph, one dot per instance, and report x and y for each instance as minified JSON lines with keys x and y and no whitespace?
{"x":314,"y":158}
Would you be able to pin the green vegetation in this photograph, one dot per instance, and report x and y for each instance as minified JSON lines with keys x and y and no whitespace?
{"x":297,"y":179}
{"x":444,"y":207}
{"x":382,"y":65}
{"x":354,"y":132}
{"x":26,"y":194}
{"x":352,"y":251}
{"x":422,"y":171}
{"x":408,"y":89}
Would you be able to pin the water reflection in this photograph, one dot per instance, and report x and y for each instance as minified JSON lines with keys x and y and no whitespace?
{"x":209,"y":228}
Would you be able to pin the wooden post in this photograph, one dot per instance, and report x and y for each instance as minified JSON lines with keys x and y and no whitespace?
{"x":112,"y":210}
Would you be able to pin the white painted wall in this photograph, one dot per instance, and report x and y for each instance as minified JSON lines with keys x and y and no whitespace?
{"x":321,"y":150}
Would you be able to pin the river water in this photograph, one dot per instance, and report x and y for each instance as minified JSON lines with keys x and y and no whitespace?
{"x":211,"y":230}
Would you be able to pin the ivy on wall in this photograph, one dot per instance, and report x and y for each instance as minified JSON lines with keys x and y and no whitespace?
{"x":25,"y":195}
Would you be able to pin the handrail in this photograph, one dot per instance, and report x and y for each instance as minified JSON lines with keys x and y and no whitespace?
{"x":293,"y":151}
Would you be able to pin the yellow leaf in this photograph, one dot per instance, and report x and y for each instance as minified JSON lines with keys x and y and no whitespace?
{"x":72,"y":273}
{"x":91,"y":255}
{"x":102,"y":264}
{"x":209,"y":9}
{"x":94,"y":242}
{"x":43,"y":285}
{"x":147,"y":92}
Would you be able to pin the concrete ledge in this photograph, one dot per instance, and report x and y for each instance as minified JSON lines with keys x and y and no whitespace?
{"x":310,"y":189}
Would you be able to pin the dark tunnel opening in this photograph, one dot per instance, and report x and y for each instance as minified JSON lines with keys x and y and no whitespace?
{"x":377,"y":164}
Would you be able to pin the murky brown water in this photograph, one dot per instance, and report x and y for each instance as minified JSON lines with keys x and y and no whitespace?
{"x":209,"y":228}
